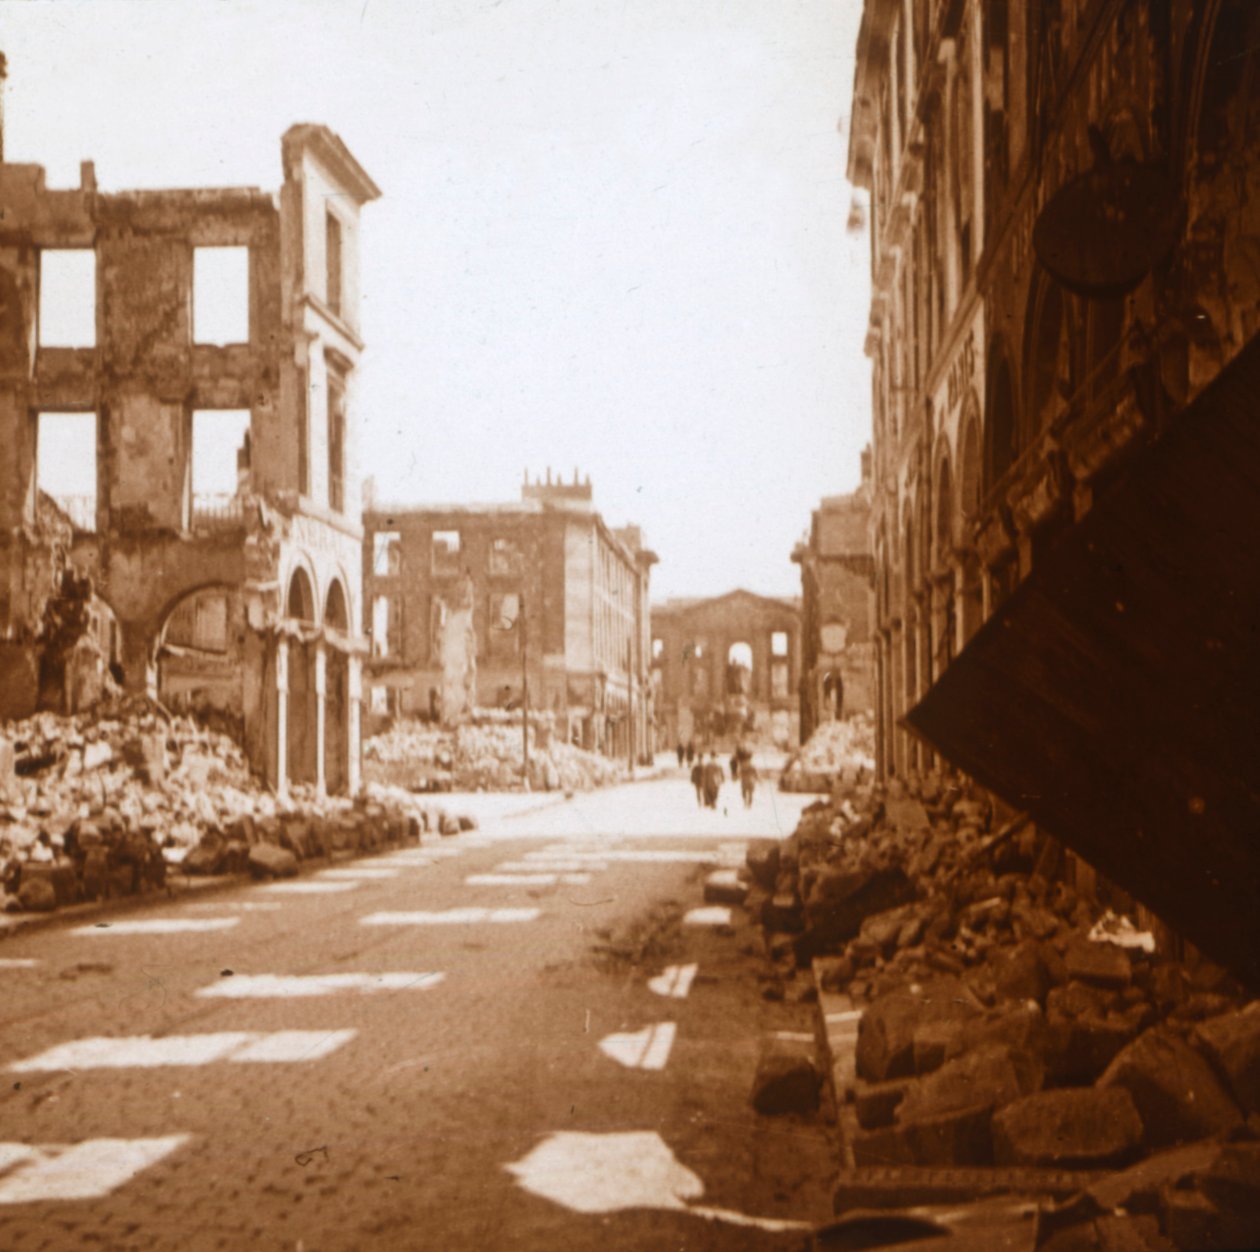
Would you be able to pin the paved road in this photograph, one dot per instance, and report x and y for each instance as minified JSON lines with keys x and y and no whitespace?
{"x":513,"y":1039}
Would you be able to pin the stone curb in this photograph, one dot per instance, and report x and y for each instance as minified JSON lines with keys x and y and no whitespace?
{"x":838,"y":1029}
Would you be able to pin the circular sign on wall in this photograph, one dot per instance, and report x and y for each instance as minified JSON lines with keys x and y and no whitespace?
{"x":834,"y":636}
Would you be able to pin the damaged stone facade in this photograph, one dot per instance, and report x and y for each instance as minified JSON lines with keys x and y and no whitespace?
{"x":837,"y":609}
{"x":464,"y":603}
{"x":1003,"y":402}
{"x":727,"y":666}
{"x":241,"y":602}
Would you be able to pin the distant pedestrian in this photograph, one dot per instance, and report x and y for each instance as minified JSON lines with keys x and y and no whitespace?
{"x":735,"y":766}
{"x":691,"y":751}
{"x":697,"y":781}
{"x":712,"y":781}
{"x":747,"y":780}
{"x":682,"y":752}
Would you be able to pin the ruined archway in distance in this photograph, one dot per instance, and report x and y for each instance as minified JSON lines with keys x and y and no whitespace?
{"x":301,"y":599}
{"x":739,"y":665}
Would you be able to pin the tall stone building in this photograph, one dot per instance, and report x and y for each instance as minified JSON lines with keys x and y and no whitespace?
{"x":177,"y":382}
{"x":726,"y":667}
{"x":1063,"y":332}
{"x":469,"y":604}
{"x":837,"y":609}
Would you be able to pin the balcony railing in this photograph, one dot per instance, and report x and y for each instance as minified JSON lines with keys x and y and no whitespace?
{"x":213,"y":510}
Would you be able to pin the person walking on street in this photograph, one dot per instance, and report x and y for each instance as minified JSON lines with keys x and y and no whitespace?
{"x":682,"y":752}
{"x":747,"y":780}
{"x":712,"y":781}
{"x":735,"y":766}
{"x":697,"y":781}
{"x":691,"y":751}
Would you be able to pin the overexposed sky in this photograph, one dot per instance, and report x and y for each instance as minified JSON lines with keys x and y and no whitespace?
{"x":612,"y":233}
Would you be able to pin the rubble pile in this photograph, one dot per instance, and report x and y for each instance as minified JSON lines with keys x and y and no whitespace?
{"x":1008,"y":1023}
{"x":482,"y":755}
{"x":99,"y":805}
{"x":837,"y":753}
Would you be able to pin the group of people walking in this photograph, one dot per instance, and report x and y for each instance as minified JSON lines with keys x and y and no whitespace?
{"x":707,"y":774}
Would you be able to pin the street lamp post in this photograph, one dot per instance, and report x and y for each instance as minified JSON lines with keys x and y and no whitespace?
{"x":524,"y":693}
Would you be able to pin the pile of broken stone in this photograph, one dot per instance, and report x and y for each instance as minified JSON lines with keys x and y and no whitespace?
{"x":109,"y":803}
{"x":484,"y":754}
{"x":1008,"y":1025}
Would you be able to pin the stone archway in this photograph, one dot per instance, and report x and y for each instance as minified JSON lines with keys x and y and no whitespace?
{"x":337,"y":705}
{"x":302,"y":714}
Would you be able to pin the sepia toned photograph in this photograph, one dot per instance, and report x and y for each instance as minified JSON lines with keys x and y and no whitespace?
{"x":630,"y":625}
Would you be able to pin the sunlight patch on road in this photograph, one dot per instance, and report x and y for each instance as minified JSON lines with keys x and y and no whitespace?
{"x":159,"y":926}
{"x":253,"y":906}
{"x":454,"y":917}
{"x":634,"y":856}
{"x":17,"y":962}
{"x":375,"y":871}
{"x":710,"y":915}
{"x":648,"y":1048}
{"x":526,"y":880}
{"x":78,"y":1171}
{"x":308,"y":888}
{"x":277,"y":986}
{"x":593,"y":1173}
{"x":147,"y":1052}
{"x":551,"y":866}
{"x":674,"y":982}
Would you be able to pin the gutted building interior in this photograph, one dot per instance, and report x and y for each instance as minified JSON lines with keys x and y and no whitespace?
{"x":179,"y":509}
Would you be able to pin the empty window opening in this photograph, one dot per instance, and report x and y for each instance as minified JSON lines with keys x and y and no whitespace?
{"x":336,"y":446}
{"x":386,"y":626}
{"x":65,"y":465}
{"x":67,"y":298}
{"x":778,"y":643}
{"x":386,"y":553}
{"x":658,"y":649}
{"x":739,"y":664}
{"x":200,"y":623}
{"x":505,"y":611}
{"x":779,"y":680}
{"x":220,"y":295}
{"x":446,"y":552}
{"x":332,"y":256}
{"x":220,"y":463}
{"x":505,"y":557}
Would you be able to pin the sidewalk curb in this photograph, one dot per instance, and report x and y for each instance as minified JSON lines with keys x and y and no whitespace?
{"x":179,"y":888}
{"x":838,"y":1029}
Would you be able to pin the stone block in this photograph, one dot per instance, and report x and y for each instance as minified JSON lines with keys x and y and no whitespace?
{"x":762,"y":859}
{"x":840,"y":900}
{"x":1070,"y":1127}
{"x":786,"y":1081}
{"x":1020,"y":973}
{"x":876,"y":1102}
{"x":36,"y":895}
{"x":1232,"y":1043}
{"x":885,"y":1047}
{"x":987,"y":1077}
{"x":1098,"y":964}
{"x":723,"y":886}
{"x":782,"y":912}
{"x":269,"y":860}
{"x":1175,"y":1090}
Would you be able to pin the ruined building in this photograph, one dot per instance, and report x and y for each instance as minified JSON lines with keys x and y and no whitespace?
{"x":837,"y":608}
{"x":469,"y":605}
{"x":727,"y":667}
{"x":177,"y":379}
{"x":1064,"y":239}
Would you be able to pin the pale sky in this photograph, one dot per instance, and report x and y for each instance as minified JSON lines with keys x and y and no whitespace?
{"x":612,"y":234}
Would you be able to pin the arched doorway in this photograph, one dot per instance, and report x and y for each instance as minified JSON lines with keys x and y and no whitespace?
{"x":337,"y":707}
{"x":199,"y":657}
{"x":832,"y":696}
{"x":739,"y":685}
{"x":970,"y":471}
{"x":302,"y":714}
